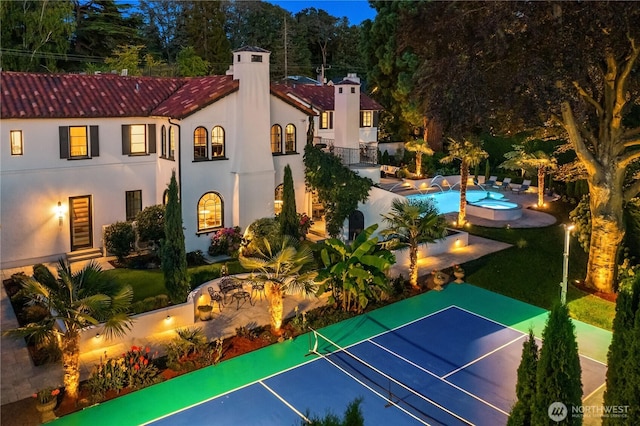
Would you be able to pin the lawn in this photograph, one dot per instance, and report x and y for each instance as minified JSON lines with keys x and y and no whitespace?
{"x":531,"y":270}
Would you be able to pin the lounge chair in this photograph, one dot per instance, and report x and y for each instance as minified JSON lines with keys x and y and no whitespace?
{"x":492,"y":181}
{"x":523,"y":188}
{"x":506,"y":184}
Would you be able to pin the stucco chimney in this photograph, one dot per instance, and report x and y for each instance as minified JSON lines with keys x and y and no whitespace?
{"x":347,"y":113}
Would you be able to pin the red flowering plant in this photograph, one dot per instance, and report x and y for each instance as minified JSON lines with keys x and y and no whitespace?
{"x":226,"y":241}
{"x":140,"y":369}
{"x":304,"y":223}
{"x":46,"y":395}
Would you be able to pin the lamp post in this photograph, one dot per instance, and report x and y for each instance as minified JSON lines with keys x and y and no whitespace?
{"x":565,"y":264}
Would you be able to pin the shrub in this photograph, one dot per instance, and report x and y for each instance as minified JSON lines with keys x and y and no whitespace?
{"x":150,"y":224}
{"x":119,"y":238}
{"x":195,"y":258}
{"x":202,"y":276}
{"x":190,"y":350}
{"x":226,"y":241}
{"x":265,"y":228}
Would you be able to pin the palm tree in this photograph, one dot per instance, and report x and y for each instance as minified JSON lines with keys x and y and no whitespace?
{"x":411,"y":223}
{"x":530,"y":162}
{"x":419,"y":146}
{"x":75,"y":301}
{"x":470,"y":153}
{"x":282,"y":272}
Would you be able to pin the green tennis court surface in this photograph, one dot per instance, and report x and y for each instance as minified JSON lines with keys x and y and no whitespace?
{"x":445,"y":357}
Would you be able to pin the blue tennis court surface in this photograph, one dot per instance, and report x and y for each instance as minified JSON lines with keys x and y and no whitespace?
{"x":452,"y":367}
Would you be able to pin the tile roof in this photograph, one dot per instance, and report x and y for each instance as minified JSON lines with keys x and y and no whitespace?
{"x":195,"y":94}
{"x":32,"y":95}
{"x":322,"y":97}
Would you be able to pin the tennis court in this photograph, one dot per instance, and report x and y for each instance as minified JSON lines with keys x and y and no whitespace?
{"x":435,"y":359}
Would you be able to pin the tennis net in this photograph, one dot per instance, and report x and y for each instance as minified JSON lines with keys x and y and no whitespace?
{"x":393,"y":391}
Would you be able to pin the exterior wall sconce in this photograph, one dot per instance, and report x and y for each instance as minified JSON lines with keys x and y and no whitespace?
{"x":60,"y":213}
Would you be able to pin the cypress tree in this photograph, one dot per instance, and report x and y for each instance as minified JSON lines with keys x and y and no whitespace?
{"x":522,"y":411}
{"x":289,"y":215}
{"x":172,"y":252}
{"x":559,"y":372}
{"x":623,"y":358}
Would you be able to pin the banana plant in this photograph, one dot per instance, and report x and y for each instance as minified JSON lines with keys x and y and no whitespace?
{"x":355,"y":273}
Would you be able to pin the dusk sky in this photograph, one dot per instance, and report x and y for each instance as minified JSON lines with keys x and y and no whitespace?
{"x":356,"y":10}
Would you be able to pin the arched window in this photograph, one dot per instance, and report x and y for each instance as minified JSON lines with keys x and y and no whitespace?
{"x":163,"y":142}
{"x":210,"y":211}
{"x":217,"y":142}
{"x":276,"y":139}
{"x":200,"y":144}
{"x":277,"y":206}
{"x":290,"y":138}
{"x":172,"y":142}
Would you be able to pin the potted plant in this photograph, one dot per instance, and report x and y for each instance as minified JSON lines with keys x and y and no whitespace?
{"x":46,"y":401}
{"x":205,"y":312}
{"x":458,"y":272}
{"x":439,"y":279}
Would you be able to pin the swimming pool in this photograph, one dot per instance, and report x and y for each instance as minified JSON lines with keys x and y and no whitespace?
{"x":485,"y":204}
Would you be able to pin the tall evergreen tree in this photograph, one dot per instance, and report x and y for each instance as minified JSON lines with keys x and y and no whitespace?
{"x":522,"y":411}
{"x":289,"y":215}
{"x":624,"y":351}
{"x":559,"y":371}
{"x":172,"y":252}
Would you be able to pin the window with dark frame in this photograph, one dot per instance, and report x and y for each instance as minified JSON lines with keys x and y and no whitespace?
{"x":163,"y":142}
{"x":78,"y":142}
{"x":200,"y":144}
{"x":133,"y":204}
{"x":217,"y":142}
{"x":366,"y":119}
{"x":276,"y":139}
{"x":210,"y":212}
{"x":290,"y":138}
{"x":326,"y":120}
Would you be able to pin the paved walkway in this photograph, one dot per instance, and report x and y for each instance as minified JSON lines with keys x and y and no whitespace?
{"x":20,"y":378}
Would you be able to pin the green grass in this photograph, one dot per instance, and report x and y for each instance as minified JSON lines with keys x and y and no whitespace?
{"x":150,"y":283}
{"x":531,"y":270}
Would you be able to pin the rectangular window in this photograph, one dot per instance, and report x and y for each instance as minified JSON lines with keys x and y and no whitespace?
{"x":78,"y":142}
{"x":326,"y":120}
{"x":133,"y":204}
{"x":16,"y":142}
{"x":256,"y":58}
{"x":172,"y":142}
{"x":366,"y":119}
{"x":138,"y":139}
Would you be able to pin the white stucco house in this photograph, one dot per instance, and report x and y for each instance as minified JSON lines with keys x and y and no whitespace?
{"x":78,"y":152}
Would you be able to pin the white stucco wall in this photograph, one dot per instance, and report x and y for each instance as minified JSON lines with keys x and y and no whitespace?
{"x":31,"y":186}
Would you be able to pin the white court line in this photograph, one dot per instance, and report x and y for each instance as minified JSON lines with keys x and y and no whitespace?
{"x":385,"y":375}
{"x":419,"y":367}
{"x":482,"y":357}
{"x":285,"y":402}
{"x":526,"y":334}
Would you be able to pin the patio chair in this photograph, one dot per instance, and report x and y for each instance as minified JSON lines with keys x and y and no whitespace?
{"x":216,"y":297}
{"x":506,"y":184}
{"x":492,"y":181}
{"x":523,"y":188}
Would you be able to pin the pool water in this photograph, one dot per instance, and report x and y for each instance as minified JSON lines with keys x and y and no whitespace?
{"x":449,"y":201}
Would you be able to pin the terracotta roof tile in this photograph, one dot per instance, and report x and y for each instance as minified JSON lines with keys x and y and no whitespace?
{"x":196,"y":93}
{"x":31,"y":95}
{"x":322,"y":97}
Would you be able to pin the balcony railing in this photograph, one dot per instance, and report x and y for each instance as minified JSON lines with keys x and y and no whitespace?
{"x":366,"y":154}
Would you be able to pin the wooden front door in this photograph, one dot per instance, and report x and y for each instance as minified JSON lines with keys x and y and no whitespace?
{"x":81,"y":226}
